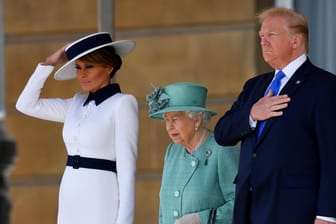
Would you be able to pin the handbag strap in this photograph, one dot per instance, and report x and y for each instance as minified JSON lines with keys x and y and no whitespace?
{"x":212,"y":216}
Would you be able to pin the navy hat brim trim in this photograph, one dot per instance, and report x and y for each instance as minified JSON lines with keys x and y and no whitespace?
{"x":68,"y":70}
{"x":83,"y":45}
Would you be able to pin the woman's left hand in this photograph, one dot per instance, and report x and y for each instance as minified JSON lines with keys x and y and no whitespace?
{"x":192,"y":218}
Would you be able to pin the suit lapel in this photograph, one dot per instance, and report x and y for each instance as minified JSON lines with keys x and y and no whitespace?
{"x":264,"y":84}
{"x":296,"y":80}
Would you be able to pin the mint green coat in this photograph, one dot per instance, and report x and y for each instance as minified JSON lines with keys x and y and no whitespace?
{"x":198,"y":182}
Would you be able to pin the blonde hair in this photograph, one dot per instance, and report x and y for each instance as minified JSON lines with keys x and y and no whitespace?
{"x":296,"y":22}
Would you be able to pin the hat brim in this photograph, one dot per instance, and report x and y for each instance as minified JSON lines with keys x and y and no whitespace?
{"x":159,"y":114}
{"x":68,"y":70}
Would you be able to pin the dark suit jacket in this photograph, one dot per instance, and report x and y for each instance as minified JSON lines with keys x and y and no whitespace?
{"x":289,"y":174}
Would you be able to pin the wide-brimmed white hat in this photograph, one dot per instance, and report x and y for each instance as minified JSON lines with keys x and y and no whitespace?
{"x":86,"y":45}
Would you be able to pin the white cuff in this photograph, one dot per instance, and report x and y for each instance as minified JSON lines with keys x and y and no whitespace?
{"x":330,"y":219}
{"x":253,"y":124}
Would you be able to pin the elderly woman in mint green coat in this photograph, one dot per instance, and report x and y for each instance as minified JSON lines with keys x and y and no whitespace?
{"x":197,"y":182}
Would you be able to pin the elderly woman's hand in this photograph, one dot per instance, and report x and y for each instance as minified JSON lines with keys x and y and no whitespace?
{"x":192,"y":218}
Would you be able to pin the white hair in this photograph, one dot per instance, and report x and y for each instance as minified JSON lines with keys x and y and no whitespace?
{"x":206,"y":116}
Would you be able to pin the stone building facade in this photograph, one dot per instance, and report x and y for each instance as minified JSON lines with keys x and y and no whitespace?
{"x":211,"y":42}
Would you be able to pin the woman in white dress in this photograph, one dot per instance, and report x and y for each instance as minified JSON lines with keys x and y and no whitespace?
{"x":100,"y":130}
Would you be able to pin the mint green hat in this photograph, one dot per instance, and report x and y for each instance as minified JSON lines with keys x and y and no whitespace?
{"x":180,"y":96}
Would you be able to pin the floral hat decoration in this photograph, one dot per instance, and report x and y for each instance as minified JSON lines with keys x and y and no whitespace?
{"x":180,"y":96}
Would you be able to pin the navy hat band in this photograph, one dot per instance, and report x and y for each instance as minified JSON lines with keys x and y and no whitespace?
{"x":87,"y":44}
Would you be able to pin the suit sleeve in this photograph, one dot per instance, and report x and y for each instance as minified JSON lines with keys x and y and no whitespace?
{"x":325,"y":123}
{"x":30,"y":103}
{"x":234,"y":124}
{"x":227,"y":170}
{"x":127,"y":126}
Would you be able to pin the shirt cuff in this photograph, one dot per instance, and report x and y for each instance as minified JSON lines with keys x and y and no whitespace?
{"x":253,"y":124}
{"x":330,"y":219}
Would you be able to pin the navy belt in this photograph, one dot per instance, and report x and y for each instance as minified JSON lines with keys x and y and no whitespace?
{"x":91,"y":163}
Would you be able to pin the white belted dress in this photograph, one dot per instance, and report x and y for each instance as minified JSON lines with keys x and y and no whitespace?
{"x":105,"y":131}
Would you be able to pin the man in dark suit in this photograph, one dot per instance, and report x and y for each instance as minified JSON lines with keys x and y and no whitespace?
{"x":287,"y":173}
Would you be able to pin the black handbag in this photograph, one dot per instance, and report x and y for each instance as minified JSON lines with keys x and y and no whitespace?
{"x":212,"y":216}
